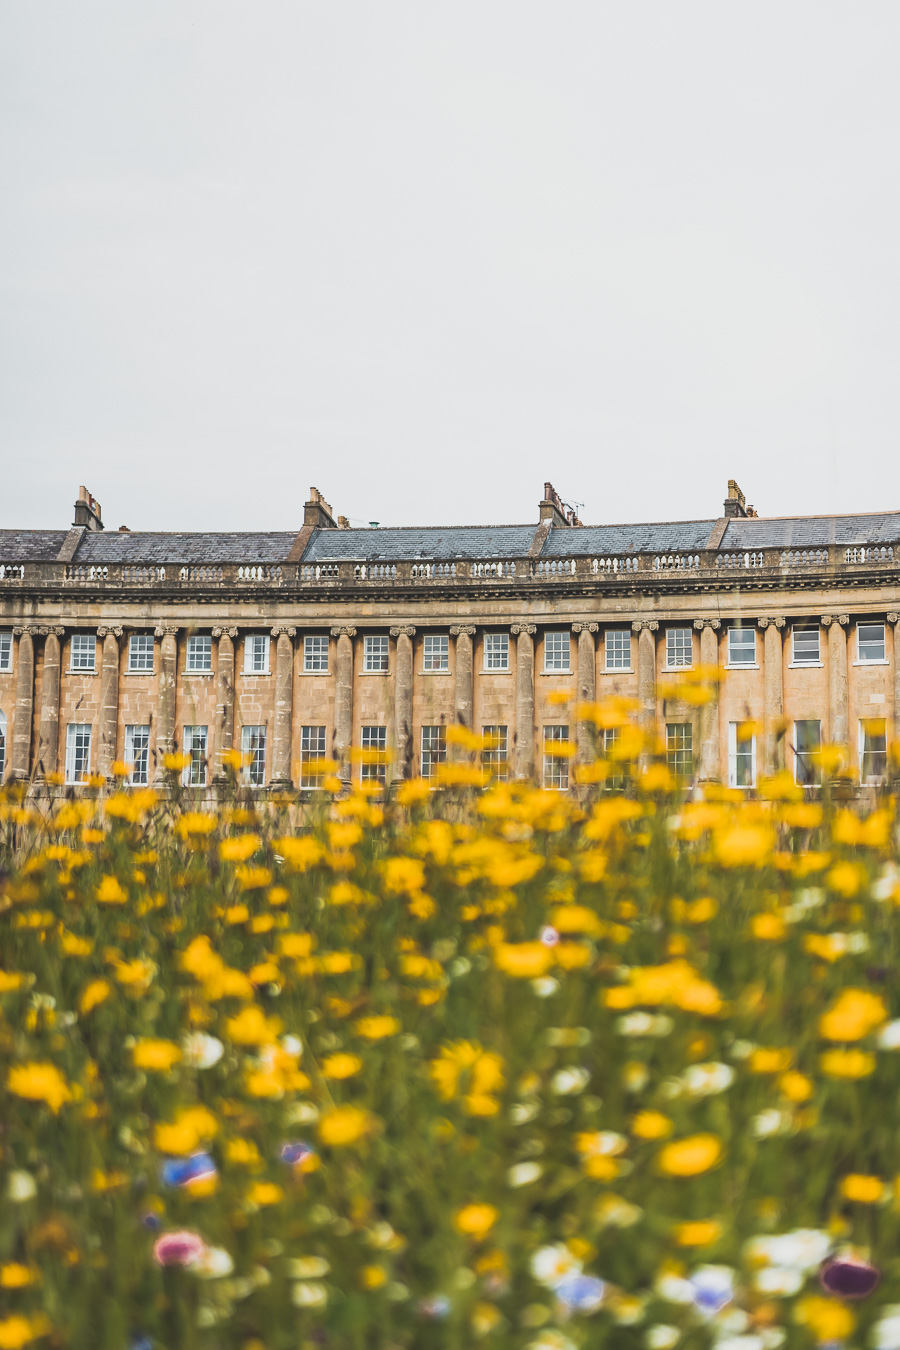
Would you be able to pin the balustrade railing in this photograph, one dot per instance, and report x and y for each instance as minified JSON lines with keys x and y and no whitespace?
{"x":740,"y":560}
{"x":676,"y":562}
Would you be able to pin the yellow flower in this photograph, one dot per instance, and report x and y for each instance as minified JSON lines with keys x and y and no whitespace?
{"x":413,"y":792}
{"x":691,"y":1156}
{"x":865,"y":1190}
{"x":302,"y":853}
{"x":698,"y":1233}
{"x":744,"y":845}
{"x":372,"y":1277}
{"x":847,"y":878}
{"x":17,"y":1276}
{"x":252,"y":1027}
{"x":344,"y":1125}
{"x":467,"y":1065}
{"x":827,"y":1319}
{"x":265,"y":1193}
{"x":341,"y":1066}
{"x":242,"y":1152}
{"x":651,"y":1125}
{"x":523,"y":960}
{"x":770,"y":1059}
{"x":476,"y":1221}
{"x":110,"y":892}
{"x":854,"y":1013}
{"x":39,"y":1082}
{"x":191,"y":1126}
{"x":155,"y":1054}
{"x":768,"y":927}
{"x":796,"y":1086}
{"x":93,"y":994}
{"x":847,"y":1063}
{"x":253,"y":878}
{"x":194,"y":822}
{"x":377,"y":1027}
{"x":403,"y":876}
{"x":576,"y":919}
{"x":240,"y":849}
{"x":17,"y":1331}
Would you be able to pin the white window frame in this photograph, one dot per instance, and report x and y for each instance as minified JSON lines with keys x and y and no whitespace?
{"x":138,"y":652}
{"x":198,"y":644}
{"x":496,"y":757}
{"x":6,"y":649}
{"x":801,"y":756}
{"x":433,"y":742}
{"x":496,"y":651}
{"x":673,"y":750}
{"x":313,"y":749}
{"x":436,"y":653}
{"x":871,"y":660}
{"x":557,"y":644}
{"x":677,"y":649}
{"x":256,"y":654}
{"x":253,"y":743}
{"x":617,"y":649}
{"x":737,"y":646}
{"x":78,"y":752}
{"x":373,"y":738}
{"x":799,"y":659}
{"x":82,"y":645}
{"x":871,"y":780}
{"x":137,"y":753}
{"x":376,"y":654}
{"x":734,"y":753}
{"x":196,"y":744}
{"x":3,"y":744}
{"x":315,"y":654}
{"x":556,"y":767}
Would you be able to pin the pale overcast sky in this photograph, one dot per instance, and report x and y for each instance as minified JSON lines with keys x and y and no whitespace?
{"x":426,"y":255}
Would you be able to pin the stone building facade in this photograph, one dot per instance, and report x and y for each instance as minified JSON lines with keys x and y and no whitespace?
{"x":299,"y":646}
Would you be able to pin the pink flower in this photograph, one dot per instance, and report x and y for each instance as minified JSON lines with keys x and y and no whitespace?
{"x":178,"y":1249}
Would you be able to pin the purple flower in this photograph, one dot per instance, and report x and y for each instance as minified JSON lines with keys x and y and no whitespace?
{"x":295,"y":1153}
{"x":580,"y":1293}
{"x":849,"y":1278}
{"x":178,"y":1249}
{"x":182,"y":1171}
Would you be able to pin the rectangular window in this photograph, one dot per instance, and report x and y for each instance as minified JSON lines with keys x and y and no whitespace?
{"x":679,"y":648}
{"x":137,"y":753}
{"x":199,"y":653}
{"x":496,"y":651}
{"x":253,"y":750}
{"x":742,"y":754}
{"x":374,"y":741}
{"x":618,"y":649}
{"x":870,"y":641}
{"x":609,"y":739}
{"x":78,"y":752}
{"x":315,"y":653}
{"x":680,"y":743}
{"x":312,"y":752}
{"x":195,"y":744}
{"x":375,"y":655}
{"x":5,"y":649}
{"x":256,"y":654}
{"x":741,"y":646}
{"x":556,"y":651}
{"x":556,"y":765}
{"x":83,"y":652}
{"x":140,"y":652}
{"x":495,"y":755}
{"x":872,"y":750}
{"x":437,"y":652}
{"x":434,"y":749}
{"x":806,"y":650}
{"x":807,"y":742}
{"x":2,"y":744}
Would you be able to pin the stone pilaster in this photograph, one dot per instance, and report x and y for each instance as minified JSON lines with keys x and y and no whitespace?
{"x":773,"y":687}
{"x":284,"y":705}
{"x":587,"y":679}
{"x":224,"y":728}
{"x":403,"y":700}
{"x":464,"y":693}
{"x":48,"y":738}
{"x":838,"y":687}
{"x":20,"y":758}
{"x":646,"y":672}
{"x":709,"y":768}
{"x":524,"y":759}
{"x":894,"y":621}
{"x":165,"y":726}
{"x":109,"y":699}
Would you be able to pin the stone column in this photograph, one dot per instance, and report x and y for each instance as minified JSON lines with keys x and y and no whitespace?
{"x":464,"y":694}
{"x":109,"y":700}
{"x":587,"y":680}
{"x":894,"y":620}
{"x":20,"y":757}
{"x":403,"y":701}
{"x":165,"y":725}
{"x":524,"y":760}
{"x":284,"y":706}
{"x":710,"y":768}
{"x":838,"y":691}
{"x":773,"y":685}
{"x":48,"y":739}
{"x":646,"y":674}
{"x":224,"y":728}
{"x":343,"y":698}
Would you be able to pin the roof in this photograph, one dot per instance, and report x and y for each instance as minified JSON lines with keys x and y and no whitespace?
{"x":441,"y":543}
{"x":18,"y":546}
{"x":680,"y":536}
{"x":812,"y":531}
{"x":134,"y":547}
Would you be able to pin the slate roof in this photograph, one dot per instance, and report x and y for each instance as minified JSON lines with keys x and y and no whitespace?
{"x":441,"y":543}
{"x":17,"y":546}
{"x":136,"y":547}
{"x":684,"y":536}
{"x":812,"y":531}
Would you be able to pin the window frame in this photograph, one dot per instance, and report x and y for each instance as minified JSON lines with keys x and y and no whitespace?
{"x":495,"y":645}
{"x":312,"y":755}
{"x":671,"y":647}
{"x":254,"y":773}
{"x":78,"y":639}
{"x":373,"y":773}
{"x":370,"y":650}
{"x":872,"y":779}
{"x":435,"y":752}
{"x":195,"y":773}
{"x":314,"y":645}
{"x":138,"y":731}
{"x":495,"y":758}
{"x":555,"y":776}
{"x":733,"y":631}
{"x":436,"y":653}
{"x":617,"y":633}
{"x":253,"y":649}
{"x":812,"y":777}
{"x":871,"y":660}
{"x":72,"y":737}
{"x":137,"y":645}
{"x":3,"y":742}
{"x":564,"y":644}
{"x":736,"y":754}
{"x":6,"y":650}
{"x":673,"y":751}
{"x":198,"y":642}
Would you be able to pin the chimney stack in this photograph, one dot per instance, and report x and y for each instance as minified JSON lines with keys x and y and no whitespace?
{"x":736,"y":503}
{"x":87,"y":511}
{"x":317,"y":512}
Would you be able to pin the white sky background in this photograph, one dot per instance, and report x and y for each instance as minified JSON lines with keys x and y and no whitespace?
{"x":425,"y":256}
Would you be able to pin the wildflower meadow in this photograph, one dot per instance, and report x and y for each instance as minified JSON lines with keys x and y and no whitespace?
{"x":453,"y":1063}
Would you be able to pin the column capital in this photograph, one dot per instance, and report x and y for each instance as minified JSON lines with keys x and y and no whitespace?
{"x":517,"y":628}
{"x":462,"y":630}
{"x":224,"y":632}
{"x":166,"y":630}
{"x":700,"y":624}
{"x":24,"y":630}
{"x":585,"y":627}
{"x":764,"y":623}
{"x":893,"y":618}
{"x":829,"y":619}
{"x":337,"y":632}
{"x":104,"y":631}
{"x":407,"y":630}
{"x":650,"y":624}
{"x":280,"y":629}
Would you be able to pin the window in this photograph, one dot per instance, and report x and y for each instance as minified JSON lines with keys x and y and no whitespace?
{"x":83,"y":652}
{"x":256,"y":654}
{"x":806,"y":651}
{"x":741,"y":754}
{"x":807,"y":740}
{"x":680,"y":741}
{"x":78,"y":752}
{"x":312,"y":751}
{"x":5,"y":649}
{"x":679,"y":648}
{"x":496,"y":651}
{"x":253,"y":750}
{"x":556,"y":651}
{"x":137,"y":753}
{"x":375,"y":655}
{"x":556,"y":765}
{"x":872,"y":750}
{"x":195,"y":743}
{"x":870,"y":641}
{"x":495,"y":755}
{"x":199,"y":653}
{"x":609,"y":740}
{"x":618,"y":649}
{"x":2,"y":744}
{"x":437,"y":652}
{"x":374,"y":741}
{"x":315,"y":653}
{"x":741,"y":646}
{"x":140,"y":652}
{"x":434,"y":750}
